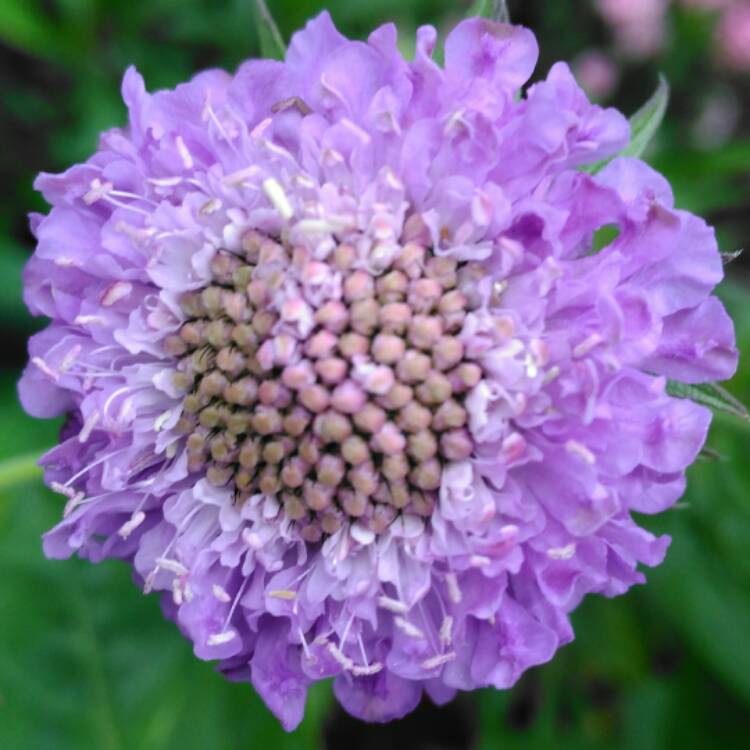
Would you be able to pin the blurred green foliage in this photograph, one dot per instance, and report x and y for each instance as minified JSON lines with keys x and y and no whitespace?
{"x":88,"y":663}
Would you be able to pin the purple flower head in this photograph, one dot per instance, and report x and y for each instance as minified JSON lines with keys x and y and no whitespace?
{"x":346,"y":378}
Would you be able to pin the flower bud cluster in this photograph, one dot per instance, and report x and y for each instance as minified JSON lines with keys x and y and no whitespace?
{"x":357,"y":418}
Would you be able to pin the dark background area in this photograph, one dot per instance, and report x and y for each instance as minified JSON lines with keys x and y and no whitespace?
{"x":86,"y":662}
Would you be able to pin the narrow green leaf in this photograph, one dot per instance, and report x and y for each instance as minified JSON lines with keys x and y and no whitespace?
{"x":643,"y":126}
{"x":646,"y":121}
{"x":497,"y":10}
{"x":712,"y":395}
{"x":271,"y":42}
{"x":710,"y":454}
{"x":19,"y":469}
{"x":30,"y":27}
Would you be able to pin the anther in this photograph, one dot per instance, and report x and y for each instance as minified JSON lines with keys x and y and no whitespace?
{"x":370,"y":419}
{"x":397,"y":397}
{"x":395,"y":467}
{"x":395,"y":317}
{"x":424,"y":295}
{"x":411,"y":260}
{"x":387,"y":348}
{"x":435,"y":390}
{"x":422,"y":445}
{"x":450,"y":414}
{"x":364,"y":316}
{"x":426,"y":475}
{"x":424,"y":331}
{"x":331,"y":370}
{"x":364,"y":478}
{"x":332,"y":427}
{"x":358,"y":285}
{"x":348,"y":398}
{"x":315,"y":398}
{"x":456,"y":445}
{"x":294,"y":472}
{"x":318,"y":496}
{"x":354,"y":503}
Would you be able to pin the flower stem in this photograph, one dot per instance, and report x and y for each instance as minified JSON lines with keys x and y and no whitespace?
{"x":19,"y":469}
{"x":495,"y":10}
{"x":502,"y":14}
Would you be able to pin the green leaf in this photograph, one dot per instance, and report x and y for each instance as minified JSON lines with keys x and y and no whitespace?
{"x":19,"y":469}
{"x":646,"y":121}
{"x":497,"y":10}
{"x":271,"y":42}
{"x":12,"y":260}
{"x":27,"y":28}
{"x":86,"y":661}
{"x":643,"y":126}
{"x":604,"y":236}
{"x":712,"y":395}
{"x":708,"y":604}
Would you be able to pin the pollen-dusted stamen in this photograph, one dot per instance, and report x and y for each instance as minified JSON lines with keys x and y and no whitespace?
{"x":345,"y":407}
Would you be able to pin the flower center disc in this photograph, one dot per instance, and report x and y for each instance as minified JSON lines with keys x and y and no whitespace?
{"x":345,"y":407}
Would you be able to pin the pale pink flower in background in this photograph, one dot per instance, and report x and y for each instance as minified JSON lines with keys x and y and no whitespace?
{"x":733,"y":37}
{"x":718,"y":119}
{"x":597,"y":73}
{"x":639,"y":25}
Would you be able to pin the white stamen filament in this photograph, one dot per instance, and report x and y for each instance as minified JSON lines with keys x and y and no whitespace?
{"x":62,"y":489}
{"x":446,"y":629}
{"x":580,"y":450}
{"x":119,"y":290}
{"x":45,"y":368}
{"x":131,"y":525}
{"x":70,"y":358}
{"x":173,"y":566}
{"x":237,"y":597}
{"x":339,"y":656}
{"x":366,"y":670}
{"x":479,"y":561}
{"x":185,"y":155}
{"x":83,"y":320}
{"x":93,"y":465}
{"x":217,"y":639}
{"x":208,"y":110}
{"x":165,"y":181}
{"x":283,"y":594}
{"x":238,"y":178}
{"x":210,"y":206}
{"x":275,"y":193}
{"x":587,"y":345}
{"x":408,"y":628}
{"x":305,"y":646}
{"x":454,"y":592}
{"x":562,"y":553}
{"x":162,"y":419}
{"x":393,"y":605}
{"x":439,"y":660}
{"x":97,"y":191}
{"x":221,"y":594}
{"x":78,"y":499}
{"x":127,"y":206}
{"x":178,"y":592}
{"x":88,"y":426}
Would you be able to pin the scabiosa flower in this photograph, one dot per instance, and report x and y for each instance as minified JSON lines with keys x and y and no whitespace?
{"x":344,"y":376}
